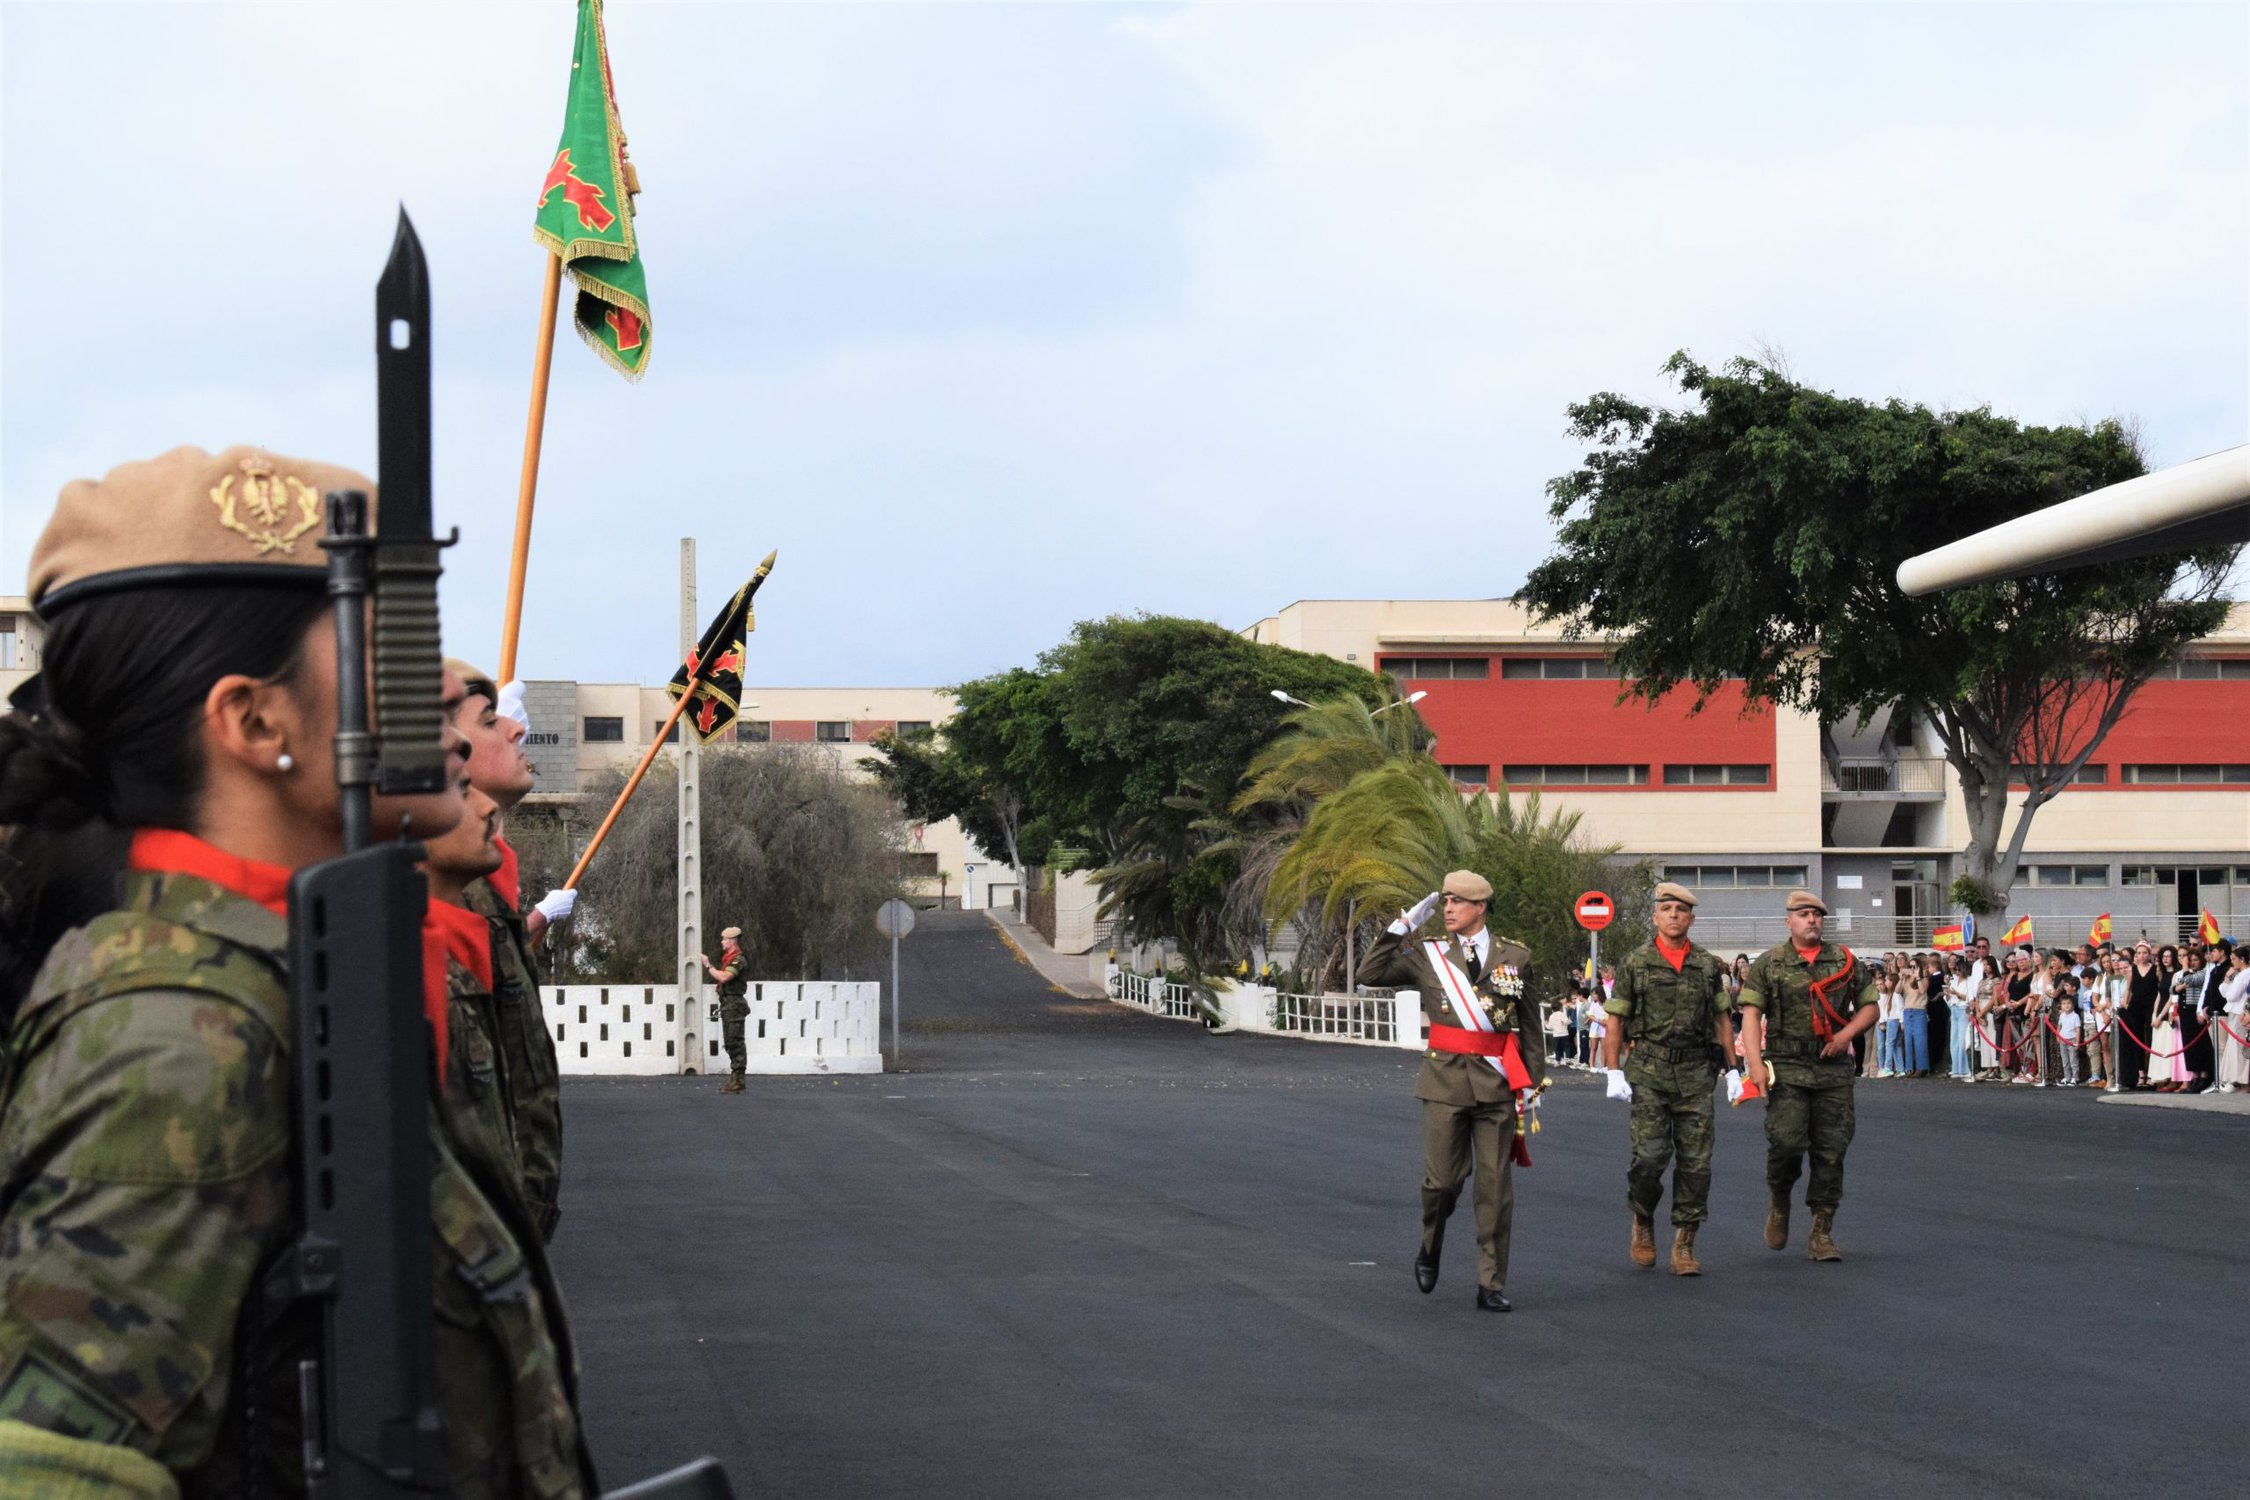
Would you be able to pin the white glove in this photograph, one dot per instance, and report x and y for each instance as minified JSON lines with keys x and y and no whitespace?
{"x":1414,"y":916}
{"x":1734,"y":1085}
{"x":556,"y":905}
{"x":511,"y":706}
{"x":1619,"y":1089}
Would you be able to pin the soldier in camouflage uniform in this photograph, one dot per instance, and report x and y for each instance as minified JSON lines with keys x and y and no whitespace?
{"x":732,"y":1006}
{"x":1470,"y":1099}
{"x":1671,"y":1001}
{"x":146,"y":1130}
{"x":1803,"y":1003}
{"x":499,"y":768}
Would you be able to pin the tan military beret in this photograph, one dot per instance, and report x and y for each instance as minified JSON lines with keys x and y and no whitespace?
{"x":1468,"y":885}
{"x":473,"y":677}
{"x":1669,"y":891}
{"x":730,"y":932}
{"x":1802,"y":897}
{"x":244,"y":517}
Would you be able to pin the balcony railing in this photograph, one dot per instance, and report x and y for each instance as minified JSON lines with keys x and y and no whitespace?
{"x":1915,"y":776}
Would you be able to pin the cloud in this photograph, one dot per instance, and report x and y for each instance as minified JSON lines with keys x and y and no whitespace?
{"x":997,"y":318}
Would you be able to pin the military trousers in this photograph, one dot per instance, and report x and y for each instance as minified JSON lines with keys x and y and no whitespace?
{"x":731,"y":1013}
{"x":1672,"y":1121}
{"x":1813,"y":1121}
{"x":1451,"y":1137}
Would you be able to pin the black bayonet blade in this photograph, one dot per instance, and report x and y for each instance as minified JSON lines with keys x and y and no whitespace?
{"x":408,"y":656}
{"x":402,"y":386}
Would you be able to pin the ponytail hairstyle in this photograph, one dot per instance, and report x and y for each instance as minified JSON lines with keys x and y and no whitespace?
{"x":107,"y":739}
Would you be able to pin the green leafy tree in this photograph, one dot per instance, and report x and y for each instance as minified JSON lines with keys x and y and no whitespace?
{"x":1755,"y":533}
{"x":967,"y":770}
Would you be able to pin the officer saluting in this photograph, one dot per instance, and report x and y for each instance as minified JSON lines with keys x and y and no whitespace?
{"x":1802,"y":1004}
{"x":1672,"y":996}
{"x":1485,"y":1053}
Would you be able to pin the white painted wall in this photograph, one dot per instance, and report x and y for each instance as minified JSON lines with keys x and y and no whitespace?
{"x":793,"y":1026}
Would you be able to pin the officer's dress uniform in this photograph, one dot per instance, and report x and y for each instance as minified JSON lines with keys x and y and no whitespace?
{"x":1809,"y":1109}
{"x":1468,"y":1108}
{"x":1671,"y":1013}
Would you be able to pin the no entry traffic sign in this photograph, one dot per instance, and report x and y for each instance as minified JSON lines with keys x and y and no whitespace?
{"x":1595,"y":911}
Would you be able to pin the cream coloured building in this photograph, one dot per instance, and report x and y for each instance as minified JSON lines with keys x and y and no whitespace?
{"x":1743,"y":800}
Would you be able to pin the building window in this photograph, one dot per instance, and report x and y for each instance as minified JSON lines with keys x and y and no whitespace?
{"x":1478,"y":776}
{"x":2070,"y":875}
{"x":600,"y":731}
{"x":1557,"y":668}
{"x":912,"y":726}
{"x":8,"y":649}
{"x":2087,"y":775}
{"x":2209,"y":668}
{"x":1717,"y":775}
{"x":2168,"y":874}
{"x":833,"y":731}
{"x":1575,"y":775}
{"x":1737,"y":877}
{"x":671,"y":739}
{"x":1439,"y":668}
{"x":2187,"y":775}
{"x":753,"y":731}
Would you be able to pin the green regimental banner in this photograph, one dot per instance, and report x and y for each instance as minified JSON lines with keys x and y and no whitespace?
{"x":586,"y":208}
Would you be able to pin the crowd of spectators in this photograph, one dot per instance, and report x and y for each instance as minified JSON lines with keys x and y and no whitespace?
{"x":2142,"y":1016}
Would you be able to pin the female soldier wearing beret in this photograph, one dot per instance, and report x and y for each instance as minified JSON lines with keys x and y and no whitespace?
{"x":160,"y":780}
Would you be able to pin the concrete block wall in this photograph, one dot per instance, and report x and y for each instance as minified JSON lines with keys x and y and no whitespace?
{"x":646,"y":1029}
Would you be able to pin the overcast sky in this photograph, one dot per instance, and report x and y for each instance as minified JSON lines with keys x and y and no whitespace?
{"x":997,"y":317}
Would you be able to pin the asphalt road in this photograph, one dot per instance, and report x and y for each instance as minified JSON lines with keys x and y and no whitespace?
{"x":1076,"y":1251}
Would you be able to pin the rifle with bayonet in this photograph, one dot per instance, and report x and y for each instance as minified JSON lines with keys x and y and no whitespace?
{"x":367,"y":1391}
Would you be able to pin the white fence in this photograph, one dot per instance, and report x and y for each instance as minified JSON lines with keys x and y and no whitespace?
{"x":1371,"y":1020}
{"x":793,"y":1027}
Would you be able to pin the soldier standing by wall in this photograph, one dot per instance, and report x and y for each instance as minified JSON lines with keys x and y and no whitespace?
{"x":1471,"y":1077}
{"x":733,"y":1003}
{"x":1803,"y":1004}
{"x":1671,"y":997}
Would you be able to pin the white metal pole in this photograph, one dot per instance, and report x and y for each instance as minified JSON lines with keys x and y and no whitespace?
{"x":688,"y":760}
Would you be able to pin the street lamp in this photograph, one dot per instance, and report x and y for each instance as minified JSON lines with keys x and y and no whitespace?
{"x":1284,"y":697}
{"x":1413,"y":697}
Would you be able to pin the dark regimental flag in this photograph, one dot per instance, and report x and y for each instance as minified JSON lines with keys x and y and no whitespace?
{"x":711,"y":677}
{"x":586,"y":208}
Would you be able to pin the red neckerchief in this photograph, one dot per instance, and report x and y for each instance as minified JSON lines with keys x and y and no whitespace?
{"x":507,"y":881}
{"x":454,"y":932}
{"x":1676,"y":957}
{"x":169,"y":851}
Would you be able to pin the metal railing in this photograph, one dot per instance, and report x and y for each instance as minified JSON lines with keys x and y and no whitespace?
{"x":1349,"y":1018}
{"x":1910,"y":774}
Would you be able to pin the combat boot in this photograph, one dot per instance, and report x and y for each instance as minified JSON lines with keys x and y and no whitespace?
{"x":1777,"y":1223}
{"x":733,"y":1085}
{"x":1684,"y":1262}
{"x":1821,"y":1247}
{"x":1644,"y":1242}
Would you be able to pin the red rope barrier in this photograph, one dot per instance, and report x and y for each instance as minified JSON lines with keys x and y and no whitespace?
{"x":2151,"y":1051}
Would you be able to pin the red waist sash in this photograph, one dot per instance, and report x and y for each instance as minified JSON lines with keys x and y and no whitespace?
{"x":1495,"y":1044}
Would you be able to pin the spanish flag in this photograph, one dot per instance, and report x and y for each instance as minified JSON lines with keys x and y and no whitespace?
{"x":2100,"y":931}
{"x":2207,"y":930}
{"x":1949,"y":937}
{"x":2020,"y":933}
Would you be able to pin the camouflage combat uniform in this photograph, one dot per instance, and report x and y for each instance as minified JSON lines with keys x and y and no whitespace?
{"x":734,"y":1007}
{"x":1672,"y":1019}
{"x":1809,"y":1108}
{"x":534,"y":1081}
{"x":145,"y":1181}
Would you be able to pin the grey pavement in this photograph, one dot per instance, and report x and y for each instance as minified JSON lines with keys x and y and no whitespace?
{"x":1073,"y":1250}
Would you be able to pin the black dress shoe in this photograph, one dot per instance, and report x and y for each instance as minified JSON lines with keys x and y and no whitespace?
{"x":1425,"y":1273}
{"x":1493,"y":1302}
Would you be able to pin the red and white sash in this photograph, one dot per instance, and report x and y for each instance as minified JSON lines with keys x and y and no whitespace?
{"x":1476,"y":1035}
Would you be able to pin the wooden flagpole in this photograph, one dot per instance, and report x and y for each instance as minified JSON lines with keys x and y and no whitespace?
{"x":662,"y":736}
{"x":528,"y":485}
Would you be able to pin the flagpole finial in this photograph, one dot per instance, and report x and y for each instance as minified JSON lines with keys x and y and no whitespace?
{"x":767,"y":566}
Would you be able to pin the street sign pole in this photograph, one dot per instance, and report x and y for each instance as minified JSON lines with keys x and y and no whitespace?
{"x":895,"y":1059}
{"x":894,"y":919}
